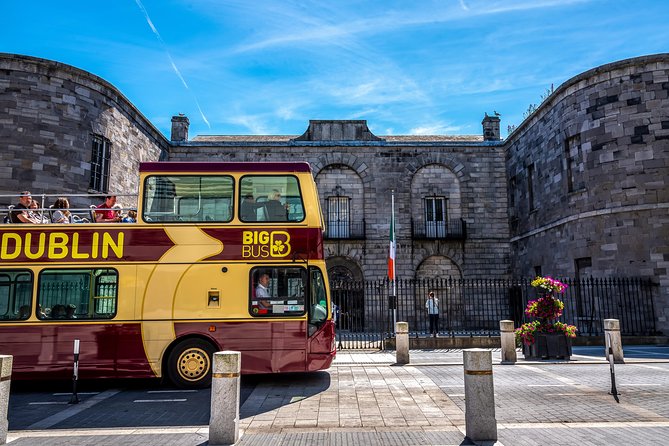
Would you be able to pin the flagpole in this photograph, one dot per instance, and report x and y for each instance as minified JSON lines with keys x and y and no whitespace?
{"x":394,"y":281}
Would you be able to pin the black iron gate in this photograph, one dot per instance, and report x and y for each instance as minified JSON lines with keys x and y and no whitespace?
{"x":475,"y":307}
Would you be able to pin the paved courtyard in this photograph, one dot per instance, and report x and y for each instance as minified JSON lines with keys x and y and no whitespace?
{"x":366,"y":399}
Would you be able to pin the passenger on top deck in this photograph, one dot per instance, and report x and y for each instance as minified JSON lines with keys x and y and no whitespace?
{"x":131,"y":217}
{"x":106,"y":214}
{"x":61,"y":211}
{"x":275,"y":210}
{"x":248,"y":209}
{"x":22,"y":212}
{"x":36,"y":210}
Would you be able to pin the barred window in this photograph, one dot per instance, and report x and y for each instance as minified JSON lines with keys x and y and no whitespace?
{"x":339,"y":217}
{"x":100,"y":164}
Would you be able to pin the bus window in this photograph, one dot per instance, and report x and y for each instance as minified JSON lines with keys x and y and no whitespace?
{"x":318,"y":306}
{"x":272,"y":198}
{"x":77,"y":294}
{"x":188,"y":198}
{"x":15,"y":295}
{"x":277,"y":291}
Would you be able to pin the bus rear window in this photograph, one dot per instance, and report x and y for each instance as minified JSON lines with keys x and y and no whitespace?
{"x":270,"y":198}
{"x":188,"y":198}
{"x":16,"y":289}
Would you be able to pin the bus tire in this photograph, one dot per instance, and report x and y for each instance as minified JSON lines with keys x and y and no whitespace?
{"x":189,"y":364}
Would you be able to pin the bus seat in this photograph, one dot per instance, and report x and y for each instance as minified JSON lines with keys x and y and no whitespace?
{"x":8,"y":218}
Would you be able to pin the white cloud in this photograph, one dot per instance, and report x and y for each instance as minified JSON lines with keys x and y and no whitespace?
{"x":256,"y":124}
{"x":434,"y":129}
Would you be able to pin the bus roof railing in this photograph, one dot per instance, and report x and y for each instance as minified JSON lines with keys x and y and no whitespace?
{"x":85,"y":213}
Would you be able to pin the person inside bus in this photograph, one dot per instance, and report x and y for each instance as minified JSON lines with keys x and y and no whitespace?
{"x":248,"y":208}
{"x":61,"y":213}
{"x":275,"y":210}
{"x":22,"y":212}
{"x":24,"y":312}
{"x":106,"y":213}
{"x":262,"y":291}
{"x":58,"y":311}
{"x":69,"y":311}
{"x":41,"y":313}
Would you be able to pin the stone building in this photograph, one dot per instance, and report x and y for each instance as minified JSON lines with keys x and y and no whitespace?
{"x":579,"y":188}
{"x":450,"y":195}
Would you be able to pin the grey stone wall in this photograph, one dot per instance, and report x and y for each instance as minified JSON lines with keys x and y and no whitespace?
{"x":49,"y":113}
{"x":599,"y":151}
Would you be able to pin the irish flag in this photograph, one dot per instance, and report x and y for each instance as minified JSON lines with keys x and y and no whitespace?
{"x":391,"y":251}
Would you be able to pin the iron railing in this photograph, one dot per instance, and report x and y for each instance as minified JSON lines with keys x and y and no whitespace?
{"x":345,"y":230}
{"x":439,"y":230}
{"x":475,"y":306}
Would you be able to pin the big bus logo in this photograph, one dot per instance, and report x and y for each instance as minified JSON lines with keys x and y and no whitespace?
{"x":264,"y":244}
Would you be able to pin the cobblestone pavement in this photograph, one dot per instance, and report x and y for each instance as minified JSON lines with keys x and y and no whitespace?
{"x":569,"y":393}
{"x":365,"y":399}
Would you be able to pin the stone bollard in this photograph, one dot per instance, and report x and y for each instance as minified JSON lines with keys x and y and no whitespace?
{"x":612,"y":332}
{"x":224,"y":421}
{"x":402,"y":342}
{"x":5,"y":381}
{"x":507,"y":338}
{"x":480,"y":423}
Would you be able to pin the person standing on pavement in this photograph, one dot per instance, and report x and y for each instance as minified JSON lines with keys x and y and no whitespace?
{"x":432,"y":306}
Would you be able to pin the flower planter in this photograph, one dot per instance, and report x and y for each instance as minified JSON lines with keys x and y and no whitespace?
{"x":548,"y":346}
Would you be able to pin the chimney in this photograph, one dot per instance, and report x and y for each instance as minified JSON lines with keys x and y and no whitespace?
{"x":180,"y":125}
{"x":491,"y":128}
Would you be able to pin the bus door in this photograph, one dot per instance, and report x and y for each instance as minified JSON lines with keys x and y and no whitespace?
{"x":321,"y":330}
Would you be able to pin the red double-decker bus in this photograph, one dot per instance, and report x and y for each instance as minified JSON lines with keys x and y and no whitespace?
{"x":223,"y":256}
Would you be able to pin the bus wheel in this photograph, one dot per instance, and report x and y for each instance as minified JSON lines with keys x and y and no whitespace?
{"x":189,"y":364}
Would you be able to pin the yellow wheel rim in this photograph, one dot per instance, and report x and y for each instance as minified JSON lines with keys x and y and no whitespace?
{"x":193,"y":364}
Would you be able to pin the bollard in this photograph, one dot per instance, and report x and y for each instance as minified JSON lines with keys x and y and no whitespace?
{"x":5,"y":381}
{"x":507,"y":339}
{"x":480,"y":423}
{"x":402,"y":342}
{"x":75,"y":375}
{"x":612,"y":333}
{"x":225,"y":386}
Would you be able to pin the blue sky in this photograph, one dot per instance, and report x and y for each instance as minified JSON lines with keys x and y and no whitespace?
{"x":268,"y":66}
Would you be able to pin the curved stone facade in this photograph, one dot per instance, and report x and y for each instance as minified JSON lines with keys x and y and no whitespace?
{"x":50,"y":114}
{"x":589,"y":177}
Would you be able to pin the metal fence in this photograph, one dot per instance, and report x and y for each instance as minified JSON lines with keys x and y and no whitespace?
{"x":475,"y":306}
